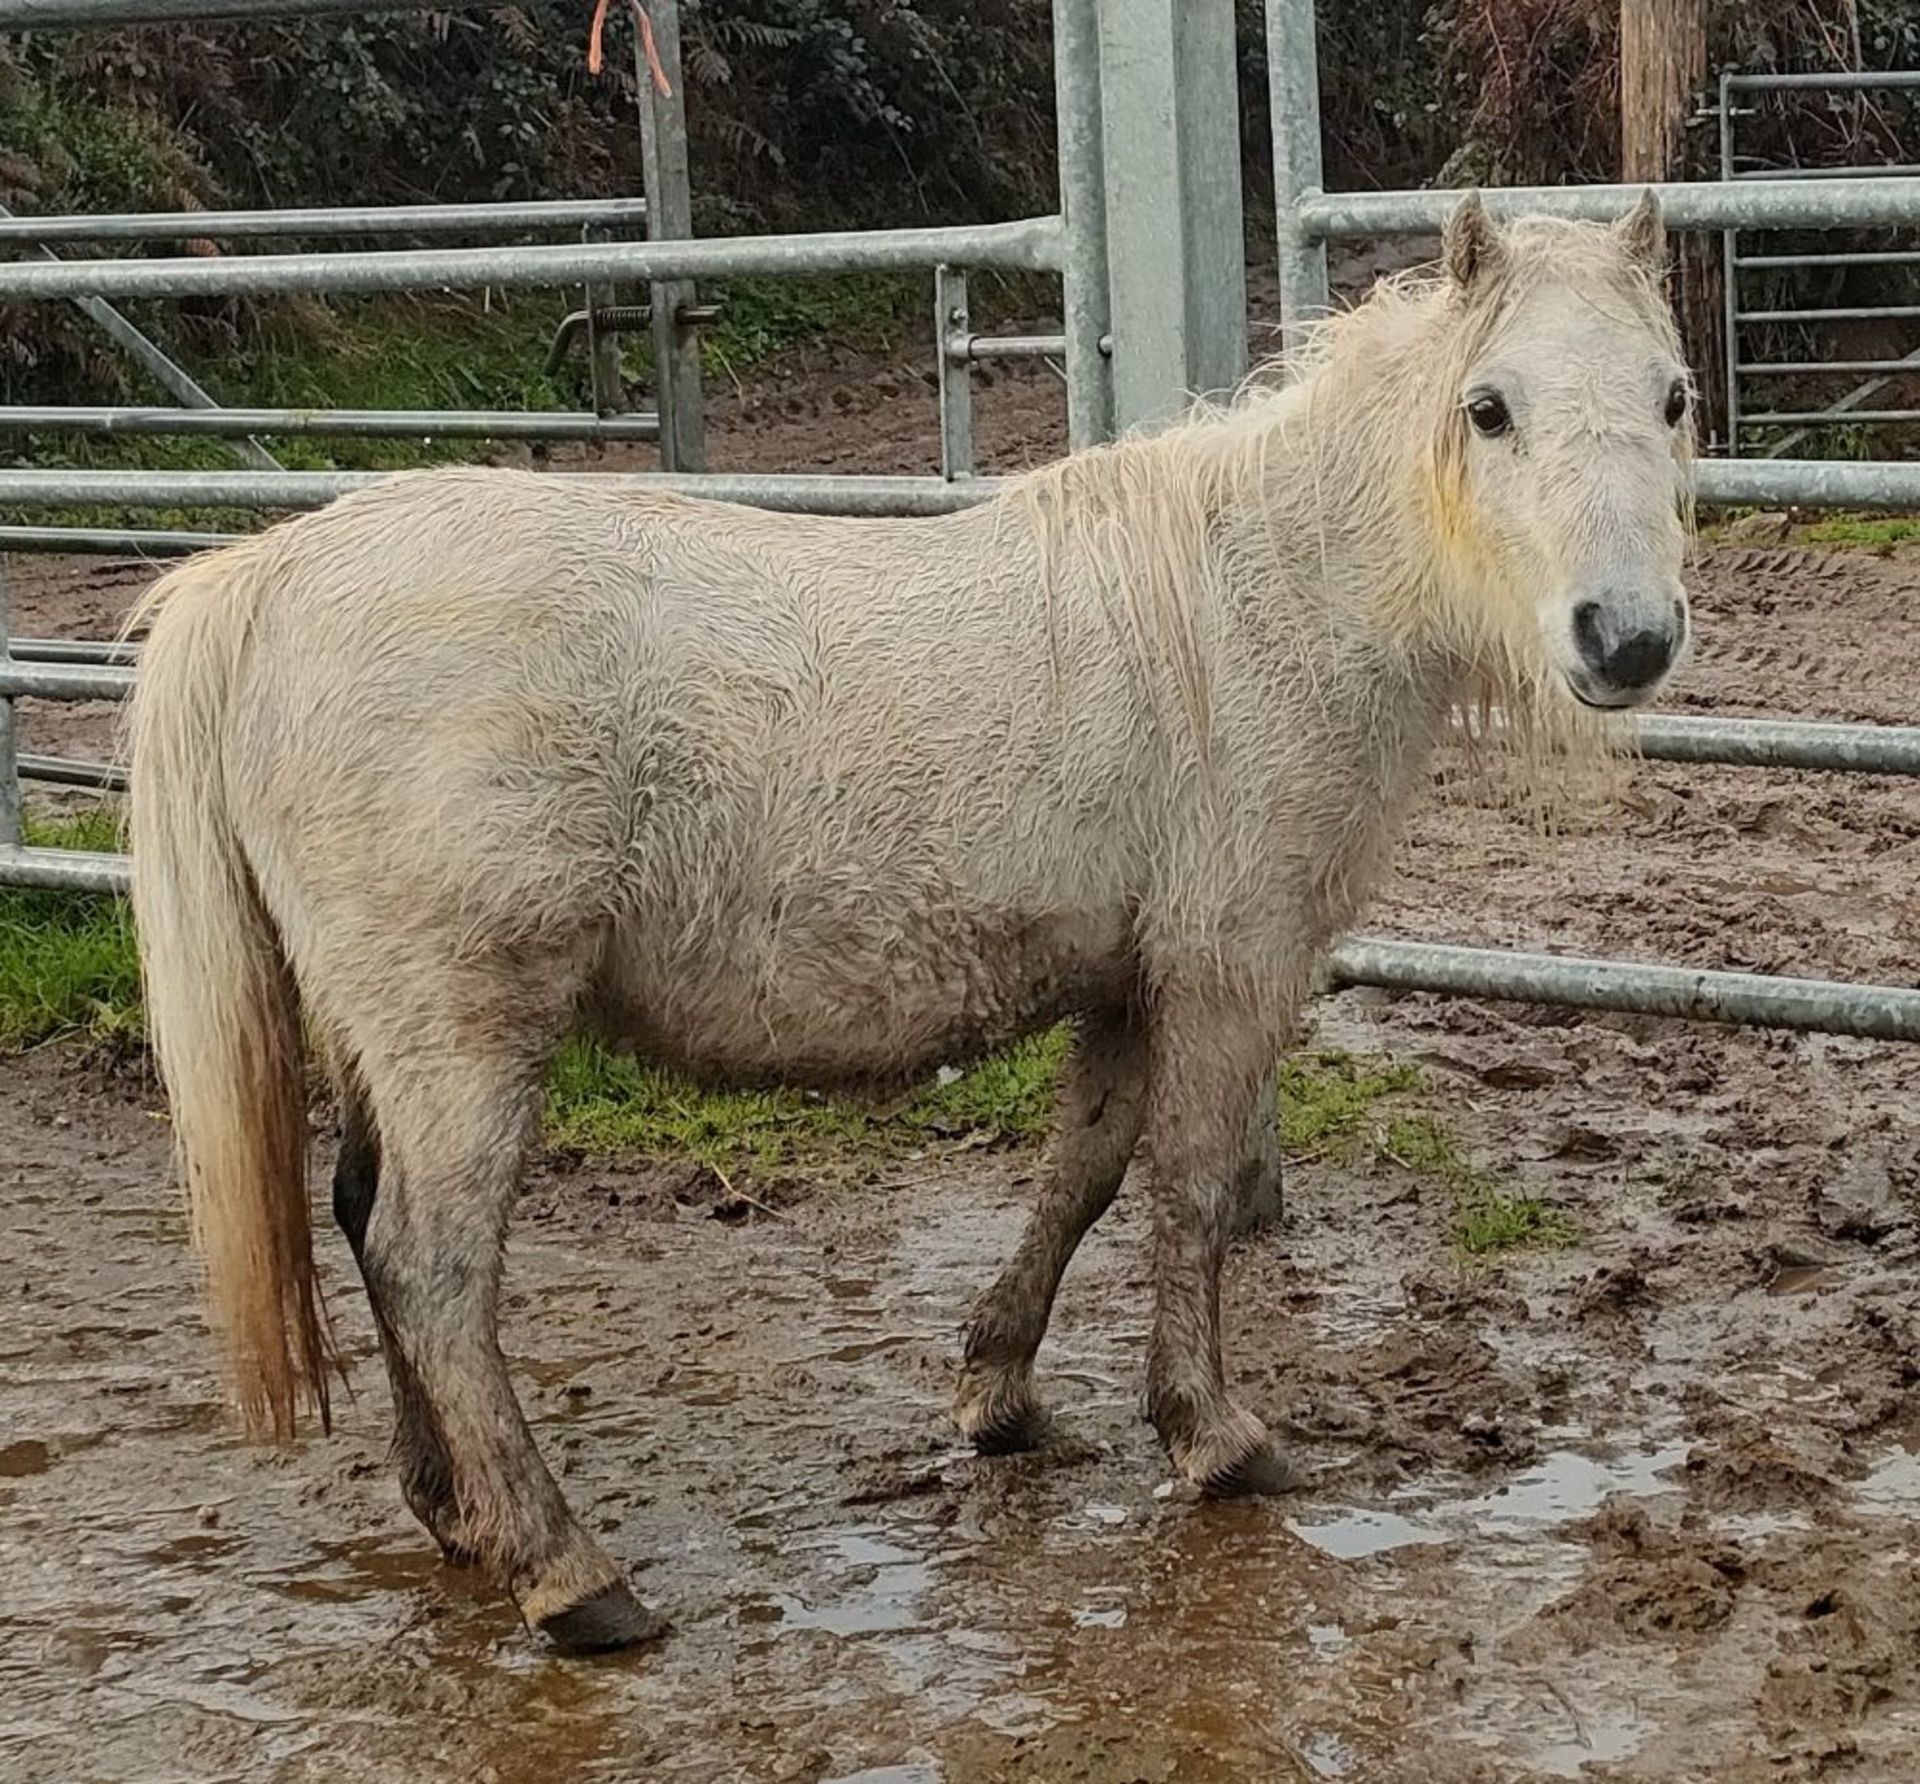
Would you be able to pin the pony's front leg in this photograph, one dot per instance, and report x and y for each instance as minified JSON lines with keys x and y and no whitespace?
{"x":1211,"y":1053}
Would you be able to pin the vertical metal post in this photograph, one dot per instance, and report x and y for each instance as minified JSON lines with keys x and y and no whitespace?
{"x":603,"y":344}
{"x":1730,"y":275}
{"x":1293,"y":89}
{"x":952,"y":327}
{"x":1083,"y":206}
{"x":1176,"y":249}
{"x":10,"y":828}
{"x":663,"y":151}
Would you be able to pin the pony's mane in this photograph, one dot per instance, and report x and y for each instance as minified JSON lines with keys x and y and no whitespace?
{"x":1356,"y":439}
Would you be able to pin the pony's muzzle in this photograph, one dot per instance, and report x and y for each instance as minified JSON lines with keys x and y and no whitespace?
{"x":1626,"y":646}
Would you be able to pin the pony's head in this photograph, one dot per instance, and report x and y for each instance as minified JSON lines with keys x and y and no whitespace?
{"x":1560,"y":470}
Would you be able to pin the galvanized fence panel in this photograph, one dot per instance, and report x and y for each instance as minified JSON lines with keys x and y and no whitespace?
{"x":1098,"y":57}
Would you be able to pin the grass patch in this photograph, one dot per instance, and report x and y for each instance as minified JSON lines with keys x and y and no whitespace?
{"x":1328,"y":1100}
{"x":602,"y":1101}
{"x":67,"y":961}
{"x":762,"y":317}
{"x":1486,"y":1218}
{"x":1334,"y":1105}
{"x":1861,"y":529}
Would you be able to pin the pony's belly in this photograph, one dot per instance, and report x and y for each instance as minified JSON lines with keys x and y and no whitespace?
{"x":855,"y":1018}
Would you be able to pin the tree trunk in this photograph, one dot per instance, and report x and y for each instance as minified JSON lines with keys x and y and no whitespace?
{"x":1663,"y":67}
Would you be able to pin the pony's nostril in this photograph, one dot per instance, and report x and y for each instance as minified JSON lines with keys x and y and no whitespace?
{"x":1636,"y":660}
{"x":1586,"y":632}
{"x":1642,"y":658}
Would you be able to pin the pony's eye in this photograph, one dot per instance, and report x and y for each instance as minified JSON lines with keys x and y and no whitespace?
{"x":1488,"y":414}
{"x":1677,"y":403}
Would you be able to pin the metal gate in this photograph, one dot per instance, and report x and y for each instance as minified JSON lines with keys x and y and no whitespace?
{"x":1147,"y":243}
{"x":1738,"y":318}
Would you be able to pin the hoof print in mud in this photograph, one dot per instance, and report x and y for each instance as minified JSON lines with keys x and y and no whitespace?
{"x":610,"y":1620}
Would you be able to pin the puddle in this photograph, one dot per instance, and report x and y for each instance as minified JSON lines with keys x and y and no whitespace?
{"x":1568,"y":1485}
{"x":1600,"y":1738}
{"x":1053,"y":1617}
{"x":889,"y":1774}
{"x":350,"y":1572}
{"x":866,"y":1347}
{"x":1563,"y":1487}
{"x":1803,"y":1279}
{"x":1328,"y":1756}
{"x":1328,"y":1640}
{"x":1364,"y":1533}
{"x":877,"y":1587}
{"x":1894,"y":1486}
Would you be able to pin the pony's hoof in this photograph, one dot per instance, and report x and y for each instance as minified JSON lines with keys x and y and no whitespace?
{"x":611,"y":1618}
{"x":1261,"y":1472}
{"x":1000,"y":1415}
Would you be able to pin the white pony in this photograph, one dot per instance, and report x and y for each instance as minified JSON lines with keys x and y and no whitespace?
{"x":474,"y":758}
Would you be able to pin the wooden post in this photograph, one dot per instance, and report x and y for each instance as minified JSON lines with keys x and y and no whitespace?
{"x":1663,"y":69}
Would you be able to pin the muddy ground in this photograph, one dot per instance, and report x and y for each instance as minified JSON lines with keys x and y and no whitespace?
{"x":1637,"y":1509}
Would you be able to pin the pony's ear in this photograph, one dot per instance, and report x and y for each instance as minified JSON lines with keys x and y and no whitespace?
{"x":1642,"y":232}
{"x":1471,"y":245}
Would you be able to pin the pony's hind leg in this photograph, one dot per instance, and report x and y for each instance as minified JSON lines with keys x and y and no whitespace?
{"x":1209,"y":1058}
{"x":456,"y":1107}
{"x":426,"y":1475}
{"x":1101,"y":1104}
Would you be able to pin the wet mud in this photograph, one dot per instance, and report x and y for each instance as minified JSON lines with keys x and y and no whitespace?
{"x":1640,"y":1508}
{"x":1556,"y":1527}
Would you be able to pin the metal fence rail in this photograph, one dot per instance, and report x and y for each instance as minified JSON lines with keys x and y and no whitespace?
{"x":1872,"y":1012}
{"x":58,"y":771}
{"x":325,"y":220}
{"x":1812,"y":744}
{"x":113,"y":541}
{"x":113,"y":15}
{"x":1033,"y":244}
{"x":1737,"y":312}
{"x":1142,"y":293}
{"x":424,"y":425}
{"x":266,"y":490}
{"x":1688,"y":204}
{"x":1808,"y":483}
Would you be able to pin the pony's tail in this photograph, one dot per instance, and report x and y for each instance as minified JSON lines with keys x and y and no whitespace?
{"x":222,"y":1012}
